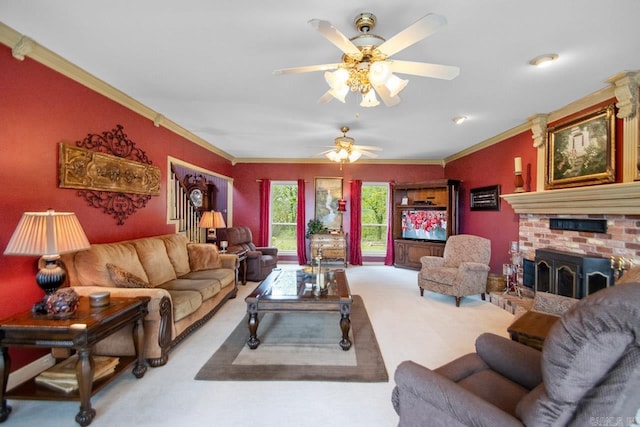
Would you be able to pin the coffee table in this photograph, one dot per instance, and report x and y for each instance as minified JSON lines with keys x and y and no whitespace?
{"x":289,"y":291}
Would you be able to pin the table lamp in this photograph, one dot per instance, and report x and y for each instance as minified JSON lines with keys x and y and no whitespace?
{"x":48,"y":234}
{"x":212,"y":220}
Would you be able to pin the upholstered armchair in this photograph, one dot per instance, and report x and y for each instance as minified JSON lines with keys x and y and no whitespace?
{"x":461,"y":271}
{"x":260,"y":260}
{"x":588,"y":371}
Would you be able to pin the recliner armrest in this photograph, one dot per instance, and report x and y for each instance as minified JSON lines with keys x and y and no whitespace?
{"x":511,"y":359}
{"x":268,"y":251}
{"x":441,"y":396}
{"x":429,"y":261}
{"x":473,"y":266}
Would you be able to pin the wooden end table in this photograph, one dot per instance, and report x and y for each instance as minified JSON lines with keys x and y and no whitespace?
{"x":80,"y":332}
{"x":532,"y":328}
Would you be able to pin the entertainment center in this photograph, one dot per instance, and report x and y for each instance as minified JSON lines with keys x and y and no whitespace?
{"x":424,"y":215}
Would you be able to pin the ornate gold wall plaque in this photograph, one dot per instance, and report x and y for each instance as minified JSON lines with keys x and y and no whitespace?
{"x":90,"y":170}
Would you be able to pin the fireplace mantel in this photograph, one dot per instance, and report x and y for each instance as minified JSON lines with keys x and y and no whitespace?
{"x":621,"y":199}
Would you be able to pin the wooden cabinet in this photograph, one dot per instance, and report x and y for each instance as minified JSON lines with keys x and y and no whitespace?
{"x":334,"y":246}
{"x":434,"y":204}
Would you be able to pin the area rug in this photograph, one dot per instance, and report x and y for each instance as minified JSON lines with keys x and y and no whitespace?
{"x":300,"y":347}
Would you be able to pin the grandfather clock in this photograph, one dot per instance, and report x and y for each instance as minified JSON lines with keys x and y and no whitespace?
{"x":199,"y":192}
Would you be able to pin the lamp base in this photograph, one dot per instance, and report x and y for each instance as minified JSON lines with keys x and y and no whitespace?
{"x":49,"y":279}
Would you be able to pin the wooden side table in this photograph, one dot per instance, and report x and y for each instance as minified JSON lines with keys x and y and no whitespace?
{"x":80,"y":332}
{"x":532,"y":328}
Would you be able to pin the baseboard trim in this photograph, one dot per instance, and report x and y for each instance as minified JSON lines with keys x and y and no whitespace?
{"x":29,"y":371}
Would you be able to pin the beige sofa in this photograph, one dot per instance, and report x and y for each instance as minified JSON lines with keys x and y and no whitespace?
{"x":187,"y":284}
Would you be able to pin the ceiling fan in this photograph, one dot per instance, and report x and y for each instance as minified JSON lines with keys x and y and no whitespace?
{"x":345,"y":150}
{"x":366,"y":67}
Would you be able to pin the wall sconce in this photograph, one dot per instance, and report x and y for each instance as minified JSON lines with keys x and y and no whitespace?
{"x":212,"y":220}
{"x":48,"y":234}
{"x":519,"y":181}
{"x":342,"y":208}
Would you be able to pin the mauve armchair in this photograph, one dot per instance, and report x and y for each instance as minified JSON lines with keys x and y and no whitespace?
{"x":461,"y":271}
{"x":588,"y":373}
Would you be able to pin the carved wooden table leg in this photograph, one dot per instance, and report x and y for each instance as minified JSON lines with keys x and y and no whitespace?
{"x":84,"y":374}
{"x":5,"y":366}
{"x":345,"y":326}
{"x":138,"y":339}
{"x":253,"y":341}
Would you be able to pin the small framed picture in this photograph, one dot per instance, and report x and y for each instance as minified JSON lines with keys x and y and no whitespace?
{"x":405,"y":201}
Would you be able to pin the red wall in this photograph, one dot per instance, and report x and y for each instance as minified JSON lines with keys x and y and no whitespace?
{"x":38,"y":109}
{"x":246,"y":196}
{"x":494,"y":166}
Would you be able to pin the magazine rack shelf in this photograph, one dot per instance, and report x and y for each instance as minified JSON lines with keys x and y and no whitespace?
{"x":437,"y":200}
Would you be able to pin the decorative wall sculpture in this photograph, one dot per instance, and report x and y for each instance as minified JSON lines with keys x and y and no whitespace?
{"x":112,"y":173}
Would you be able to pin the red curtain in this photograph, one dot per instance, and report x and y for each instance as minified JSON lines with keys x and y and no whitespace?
{"x":355,"y":251}
{"x":265,"y":201}
{"x":301,"y":225}
{"x":388,"y":259}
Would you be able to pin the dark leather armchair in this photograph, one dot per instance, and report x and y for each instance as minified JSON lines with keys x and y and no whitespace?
{"x":588,"y":371}
{"x":260,"y":260}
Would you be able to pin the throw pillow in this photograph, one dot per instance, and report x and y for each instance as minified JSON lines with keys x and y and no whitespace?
{"x":123,"y":279}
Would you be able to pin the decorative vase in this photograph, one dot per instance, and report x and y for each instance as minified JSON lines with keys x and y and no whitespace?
{"x":62,"y":303}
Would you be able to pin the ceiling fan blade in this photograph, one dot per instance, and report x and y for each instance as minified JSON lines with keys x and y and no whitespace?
{"x":385,"y":95}
{"x":334,"y":35}
{"x":307,"y":69}
{"x":415,"y":32}
{"x":367,"y":147}
{"x":368,"y":153}
{"x":437,"y":71}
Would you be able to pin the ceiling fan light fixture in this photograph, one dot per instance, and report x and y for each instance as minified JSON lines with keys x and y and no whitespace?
{"x":379,"y":72}
{"x":544,"y":60}
{"x":369,"y":99}
{"x":355,"y":155}
{"x":395,"y":85}
{"x":333,"y":156}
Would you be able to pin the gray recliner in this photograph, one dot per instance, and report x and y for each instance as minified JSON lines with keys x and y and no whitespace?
{"x":588,"y":371}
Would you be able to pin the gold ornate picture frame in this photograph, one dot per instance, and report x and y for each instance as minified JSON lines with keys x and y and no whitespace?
{"x":581,"y":152}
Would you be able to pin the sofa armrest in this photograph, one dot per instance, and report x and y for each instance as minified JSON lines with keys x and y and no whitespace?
{"x":156,"y":295}
{"x":430,"y":396}
{"x":229,"y":261}
{"x":429,"y":261}
{"x":268,"y":251}
{"x":511,"y":359}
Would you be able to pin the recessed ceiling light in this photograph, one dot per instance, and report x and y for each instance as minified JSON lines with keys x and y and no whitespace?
{"x":544,"y":60}
{"x":459,"y":119}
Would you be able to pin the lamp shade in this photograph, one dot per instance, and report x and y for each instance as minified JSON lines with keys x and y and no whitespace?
{"x":47,"y":234}
{"x":212,"y":219}
{"x":342,"y":205}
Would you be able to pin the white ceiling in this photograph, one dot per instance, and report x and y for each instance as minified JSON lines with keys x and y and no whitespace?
{"x":207,"y":65}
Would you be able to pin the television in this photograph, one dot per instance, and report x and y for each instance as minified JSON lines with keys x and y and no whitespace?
{"x":425,"y":224}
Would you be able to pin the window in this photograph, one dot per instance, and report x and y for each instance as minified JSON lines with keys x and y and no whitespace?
{"x":284,"y":212}
{"x":375,"y":199}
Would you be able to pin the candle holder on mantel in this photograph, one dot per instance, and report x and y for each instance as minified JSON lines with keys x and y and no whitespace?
{"x":519,"y":181}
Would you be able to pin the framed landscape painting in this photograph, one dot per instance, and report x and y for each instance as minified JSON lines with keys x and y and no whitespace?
{"x":328,"y":191}
{"x":581,"y":152}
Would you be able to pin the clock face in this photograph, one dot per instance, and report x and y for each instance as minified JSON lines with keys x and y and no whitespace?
{"x":196,"y":197}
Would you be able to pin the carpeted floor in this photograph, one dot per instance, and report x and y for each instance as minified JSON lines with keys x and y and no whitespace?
{"x":300,"y":347}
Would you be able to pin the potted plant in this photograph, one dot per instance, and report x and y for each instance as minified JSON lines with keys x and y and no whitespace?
{"x":315,"y":226}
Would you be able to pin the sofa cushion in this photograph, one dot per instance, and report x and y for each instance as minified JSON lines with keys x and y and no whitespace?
{"x":225,"y":276}
{"x":203,"y":256}
{"x":184,"y":303}
{"x":207,"y":288}
{"x":123,"y":279}
{"x":153,"y":256}
{"x":176,"y":245}
{"x":91,"y":265}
